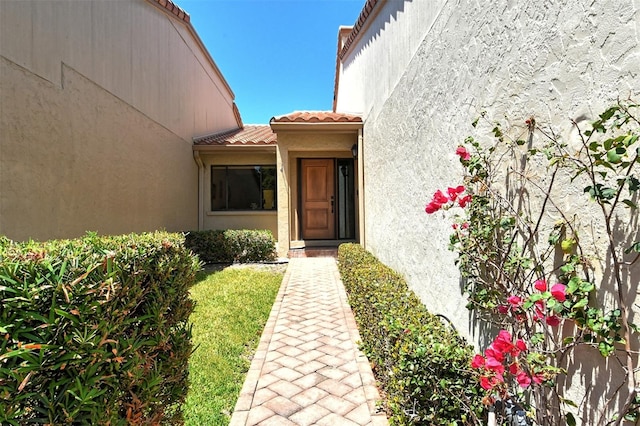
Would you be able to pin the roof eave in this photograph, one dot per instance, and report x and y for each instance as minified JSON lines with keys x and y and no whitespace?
{"x":251,"y":148}
{"x":333,"y":127}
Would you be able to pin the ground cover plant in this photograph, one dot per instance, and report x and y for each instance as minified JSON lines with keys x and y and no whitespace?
{"x":420,"y":362}
{"x":94,"y":330}
{"x":547,"y":236}
{"x":232,"y":307}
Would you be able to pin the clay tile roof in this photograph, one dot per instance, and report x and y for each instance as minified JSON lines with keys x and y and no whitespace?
{"x":174,"y":8}
{"x":362,"y":19}
{"x":249,"y":135}
{"x":317,"y":117}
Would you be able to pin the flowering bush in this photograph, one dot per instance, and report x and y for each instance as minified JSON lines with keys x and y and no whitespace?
{"x":534,"y":279}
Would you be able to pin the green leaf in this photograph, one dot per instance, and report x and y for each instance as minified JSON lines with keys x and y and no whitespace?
{"x":634,"y":247}
{"x":615,"y":155}
{"x":581,"y":303}
{"x":630,"y":204}
{"x":571,"y":421}
{"x":634,"y":183}
{"x":630,"y":140}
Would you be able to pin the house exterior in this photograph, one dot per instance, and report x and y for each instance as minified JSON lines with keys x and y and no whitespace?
{"x":420,"y":72}
{"x":99,"y":104}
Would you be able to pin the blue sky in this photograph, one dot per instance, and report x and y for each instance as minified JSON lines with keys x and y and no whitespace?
{"x":278,"y":56}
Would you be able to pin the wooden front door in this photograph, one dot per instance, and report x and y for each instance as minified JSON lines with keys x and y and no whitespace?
{"x":318,"y":199}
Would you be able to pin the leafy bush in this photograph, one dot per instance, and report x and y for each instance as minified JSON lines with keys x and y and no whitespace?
{"x":228,"y":246}
{"x":422,"y":364}
{"x":95,"y":330}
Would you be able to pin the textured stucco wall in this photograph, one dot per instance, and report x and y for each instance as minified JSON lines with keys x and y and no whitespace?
{"x":86,"y":161}
{"x":512,"y":59}
{"x":99,"y":103}
{"x":130,"y":48}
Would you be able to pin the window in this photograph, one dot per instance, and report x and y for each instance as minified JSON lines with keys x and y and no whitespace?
{"x":243,"y":187}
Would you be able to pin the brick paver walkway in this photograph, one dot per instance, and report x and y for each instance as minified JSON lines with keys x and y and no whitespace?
{"x":307,"y":369}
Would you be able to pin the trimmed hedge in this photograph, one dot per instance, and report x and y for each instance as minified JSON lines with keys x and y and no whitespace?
{"x":421,"y":364}
{"x":230,"y":246}
{"x":95,"y":330}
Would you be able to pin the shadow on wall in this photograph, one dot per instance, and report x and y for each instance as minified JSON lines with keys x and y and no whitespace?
{"x":374,"y":31}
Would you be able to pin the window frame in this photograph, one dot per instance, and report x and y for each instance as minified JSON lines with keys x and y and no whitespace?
{"x":228,"y":180}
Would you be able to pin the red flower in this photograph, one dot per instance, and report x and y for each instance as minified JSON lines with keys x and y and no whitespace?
{"x":514,"y":368}
{"x":433,"y":207}
{"x":503,"y":309}
{"x":559,"y":292}
{"x":477,"y":361}
{"x":465,"y":225}
{"x":463,"y":201}
{"x":538,"y":378}
{"x":485,"y":383}
{"x":463,"y":153}
{"x":453,"y":192}
{"x":540,"y":285}
{"x":440,"y":198}
{"x":523,"y":379}
{"x":514,"y":301}
{"x":539,"y":310}
{"x":553,"y":321}
{"x":521,"y":345}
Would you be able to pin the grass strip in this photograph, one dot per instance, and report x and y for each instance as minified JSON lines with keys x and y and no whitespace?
{"x":232,"y":307}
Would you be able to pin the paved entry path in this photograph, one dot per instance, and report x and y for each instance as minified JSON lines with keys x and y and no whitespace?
{"x":307,"y":369}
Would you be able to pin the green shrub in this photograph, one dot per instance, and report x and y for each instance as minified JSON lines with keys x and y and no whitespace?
{"x":229,"y":246}
{"x":422,"y":364}
{"x":95,"y":330}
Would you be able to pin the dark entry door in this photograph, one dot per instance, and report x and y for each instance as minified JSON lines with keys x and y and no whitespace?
{"x":318,"y":199}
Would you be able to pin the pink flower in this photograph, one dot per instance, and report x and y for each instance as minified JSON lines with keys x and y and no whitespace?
{"x":503,"y":309}
{"x":514,"y":301}
{"x":540,"y":285}
{"x":553,"y":321}
{"x":453,"y":192}
{"x":463,"y":153}
{"x":523,"y":379}
{"x":433,"y":207}
{"x":539,"y":308}
{"x":477,"y":361}
{"x":463,"y":201}
{"x":485,"y":383}
{"x":465,"y":225}
{"x":538,"y":378}
{"x":440,"y":198}
{"x":491,"y":352}
{"x":494,"y":365}
{"x":558,"y":291}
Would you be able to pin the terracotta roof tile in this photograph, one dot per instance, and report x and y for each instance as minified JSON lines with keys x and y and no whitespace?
{"x":173,"y":8}
{"x":317,"y":117}
{"x":362,"y":19}
{"x":249,"y":135}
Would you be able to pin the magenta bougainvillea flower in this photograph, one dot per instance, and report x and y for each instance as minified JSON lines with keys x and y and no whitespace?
{"x":463,"y":153}
{"x":553,"y":321}
{"x":559,"y":292}
{"x":514,"y":300}
{"x":463,"y":201}
{"x":540,"y":285}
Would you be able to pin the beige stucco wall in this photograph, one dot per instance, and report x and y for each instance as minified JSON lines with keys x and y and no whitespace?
{"x":100,"y":101}
{"x":238,"y":156}
{"x":293,"y":145}
{"x":513,"y":60}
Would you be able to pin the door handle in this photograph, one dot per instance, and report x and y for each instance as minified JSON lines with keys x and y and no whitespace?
{"x":332,"y":203}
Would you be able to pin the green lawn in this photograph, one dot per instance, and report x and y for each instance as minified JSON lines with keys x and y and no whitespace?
{"x":232,"y":307}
